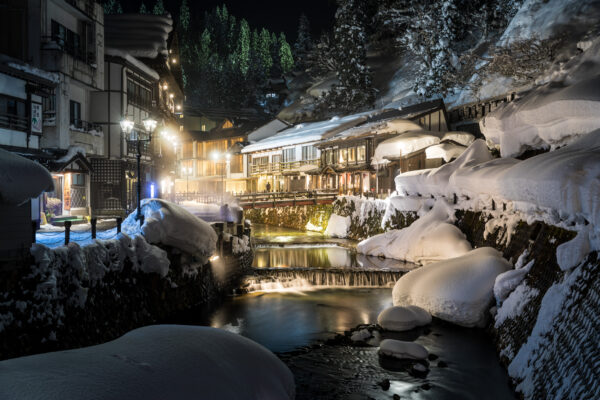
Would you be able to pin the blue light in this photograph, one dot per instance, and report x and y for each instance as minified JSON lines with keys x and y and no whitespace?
{"x":152,"y":194}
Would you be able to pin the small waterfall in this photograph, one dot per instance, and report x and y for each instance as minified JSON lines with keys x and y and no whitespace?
{"x":273,"y":279}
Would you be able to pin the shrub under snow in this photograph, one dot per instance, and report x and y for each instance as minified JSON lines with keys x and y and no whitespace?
{"x":154,"y":362}
{"x":458,"y":290}
{"x":431,"y":238}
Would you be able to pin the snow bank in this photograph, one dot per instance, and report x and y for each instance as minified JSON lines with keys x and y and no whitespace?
{"x":338,"y":226}
{"x":403,"y":350}
{"x":458,"y":290}
{"x":462,"y":138}
{"x":431,"y":238}
{"x":515,"y":303}
{"x":398,"y":318}
{"x":447,"y":151}
{"x":21,"y":179}
{"x":154,"y":362}
{"x":547,"y":117}
{"x":171,"y":225}
{"x":404,"y":144}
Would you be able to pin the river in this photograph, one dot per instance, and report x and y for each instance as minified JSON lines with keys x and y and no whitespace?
{"x":309,"y":288}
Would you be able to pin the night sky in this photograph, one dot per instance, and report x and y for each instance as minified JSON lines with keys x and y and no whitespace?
{"x":275,"y":15}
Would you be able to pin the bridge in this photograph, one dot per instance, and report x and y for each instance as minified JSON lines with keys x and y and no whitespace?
{"x":283,"y":199}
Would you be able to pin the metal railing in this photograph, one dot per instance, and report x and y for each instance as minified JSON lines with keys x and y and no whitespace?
{"x":282,"y":166}
{"x":14,"y":122}
{"x":286,"y":198}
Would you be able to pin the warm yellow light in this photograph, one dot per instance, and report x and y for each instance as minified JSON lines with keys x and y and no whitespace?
{"x":174,"y":61}
{"x":171,"y":95}
{"x":213,"y":258}
{"x":165,"y":86}
{"x":178,"y":107}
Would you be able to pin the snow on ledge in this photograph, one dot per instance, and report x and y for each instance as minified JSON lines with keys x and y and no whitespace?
{"x":21,"y":179}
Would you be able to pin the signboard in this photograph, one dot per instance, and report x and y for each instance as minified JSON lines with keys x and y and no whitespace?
{"x":36,"y":117}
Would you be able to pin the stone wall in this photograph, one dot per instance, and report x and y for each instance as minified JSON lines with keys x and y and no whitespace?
{"x":124,"y":299}
{"x":295,"y":217}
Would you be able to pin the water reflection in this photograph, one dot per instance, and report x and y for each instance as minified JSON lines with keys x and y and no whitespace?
{"x":324,"y":257}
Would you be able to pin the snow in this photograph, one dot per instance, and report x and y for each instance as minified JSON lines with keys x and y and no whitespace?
{"x":507,"y":281}
{"x":446,"y":151}
{"x":51,"y":76}
{"x":241,"y":245}
{"x":267,"y":130}
{"x":21,"y":179}
{"x":431,"y":238}
{"x":389,"y":126}
{"x":398,"y":318}
{"x":171,"y":225}
{"x":515,"y":303}
{"x":402,"y":350}
{"x":458,"y":290}
{"x":154,"y":362}
{"x":404,"y":144}
{"x":547,"y":117}
{"x":71,"y":152}
{"x":125,"y":55}
{"x":523,"y":364}
{"x":360,"y":335}
{"x":308,"y":132}
{"x":575,"y":251}
{"x":337,"y":226}
{"x":462,"y":138}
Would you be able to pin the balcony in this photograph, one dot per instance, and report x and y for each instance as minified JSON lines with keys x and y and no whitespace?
{"x":79,"y":125}
{"x":14,"y":122}
{"x":281,"y":167}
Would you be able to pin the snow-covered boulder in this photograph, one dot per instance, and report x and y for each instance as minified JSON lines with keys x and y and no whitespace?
{"x":431,"y":238}
{"x":398,"y":318}
{"x":21,"y":179}
{"x":338,"y":226}
{"x":171,"y":225}
{"x":154,"y":362}
{"x":403,"y":350}
{"x":458,"y":290}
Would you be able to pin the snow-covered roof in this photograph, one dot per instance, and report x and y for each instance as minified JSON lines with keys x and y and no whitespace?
{"x":110,"y":51}
{"x":139,"y":35}
{"x":392,"y":125}
{"x":21,"y":179}
{"x":308,"y":132}
{"x":464,"y":138}
{"x":50,"y":76}
{"x":404,"y":144}
{"x":267,"y":130}
{"x":447,"y":151}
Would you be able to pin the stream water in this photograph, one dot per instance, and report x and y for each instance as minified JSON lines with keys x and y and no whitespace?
{"x":312,"y":288}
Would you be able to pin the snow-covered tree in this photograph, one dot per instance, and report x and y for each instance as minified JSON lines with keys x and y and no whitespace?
{"x":265,"y":50}
{"x":184,"y":15}
{"x":143,"y":9}
{"x":159,"y":8}
{"x":304,"y":43}
{"x":319,"y":61}
{"x":112,"y":7}
{"x":354,"y":90}
{"x":243,"y":48}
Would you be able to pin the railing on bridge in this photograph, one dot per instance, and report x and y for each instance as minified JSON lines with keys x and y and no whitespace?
{"x":274,"y":199}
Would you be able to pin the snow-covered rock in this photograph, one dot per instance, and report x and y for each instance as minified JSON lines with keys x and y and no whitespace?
{"x":21,"y":179}
{"x":431,"y":238}
{"x":338,"y":226}
{"x":402,"y":350}
{"x":549,"y":116}
{"x":154,"y":362}
{"x":399,"y":318}
{"x":457,"y":290}
{"x":171,"y":225}
{"x":361,"y":335}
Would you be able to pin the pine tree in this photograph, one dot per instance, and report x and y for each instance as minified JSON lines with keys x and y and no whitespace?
{"x":265,"y":51}
{"x":354,"y":90}
{"x":159,"y":8}
{"x":112,"y":7}
{"x":184,"y":15}
{"x":285,"y":55}
{"x":243,"y":48}
{"x":304,"y":43}
{"x":143,"y":9}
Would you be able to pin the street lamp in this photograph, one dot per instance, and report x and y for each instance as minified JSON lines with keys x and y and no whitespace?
{"x":128,"y":128}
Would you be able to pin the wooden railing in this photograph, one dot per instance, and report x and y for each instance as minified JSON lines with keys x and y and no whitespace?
{"x":281,"y":166}
{"x":280,"y":199}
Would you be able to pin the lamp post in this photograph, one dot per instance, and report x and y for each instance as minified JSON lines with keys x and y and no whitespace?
{"x":128,"y":128}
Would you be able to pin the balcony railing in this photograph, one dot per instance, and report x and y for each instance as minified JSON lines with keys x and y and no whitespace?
{"x":282,"y":166}
{"x":14,"y":122}
{"x":85,"y":126}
